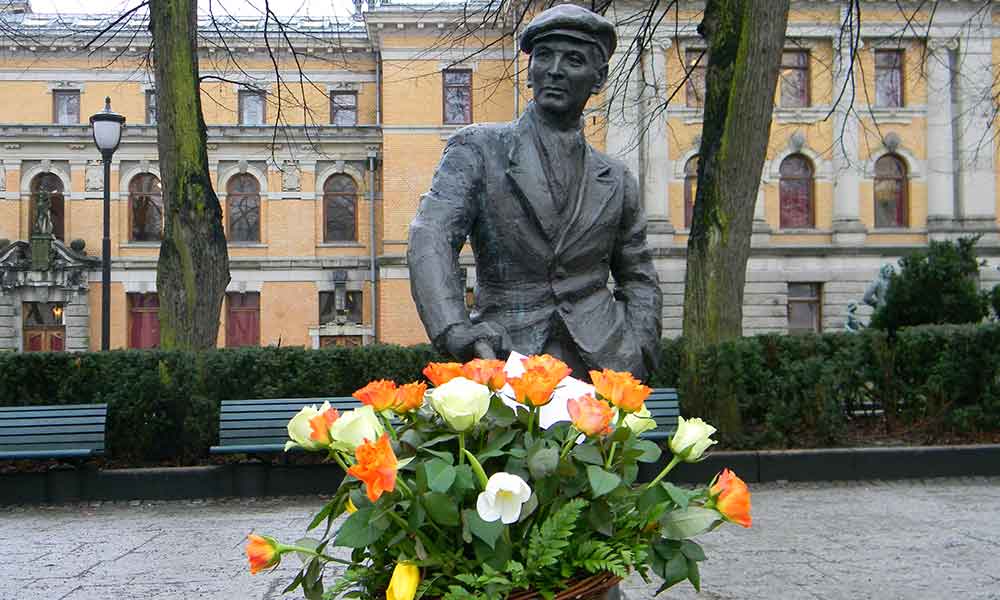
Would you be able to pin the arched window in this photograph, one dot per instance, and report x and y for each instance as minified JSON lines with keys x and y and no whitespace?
{"x":690,"y":189}
{"x":243,"y":208}
{"x":890,"y":192}
{"x":340,"y":209}
{"x":51,"y":184}
{"x":796,"y":192}
{"x":145,"y":205}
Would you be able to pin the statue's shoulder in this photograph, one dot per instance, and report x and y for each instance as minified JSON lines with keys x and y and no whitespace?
{"x":484,"y":134}
{"x":603,"y":160}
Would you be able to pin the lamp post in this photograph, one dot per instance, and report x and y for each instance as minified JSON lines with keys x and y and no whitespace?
{"x":107,"y":126}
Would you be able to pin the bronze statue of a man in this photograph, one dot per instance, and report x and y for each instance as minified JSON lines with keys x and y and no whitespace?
{"x":549,"y":219}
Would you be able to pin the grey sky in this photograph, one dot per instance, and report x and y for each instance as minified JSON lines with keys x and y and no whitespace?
{"x":314,"y":8}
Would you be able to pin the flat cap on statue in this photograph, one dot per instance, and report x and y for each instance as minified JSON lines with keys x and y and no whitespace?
{"x":572,"y":21}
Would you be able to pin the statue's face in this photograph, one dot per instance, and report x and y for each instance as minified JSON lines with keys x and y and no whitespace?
{"x":563,"y":74}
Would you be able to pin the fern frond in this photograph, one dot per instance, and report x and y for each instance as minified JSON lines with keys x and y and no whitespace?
{"x":549,"y":539}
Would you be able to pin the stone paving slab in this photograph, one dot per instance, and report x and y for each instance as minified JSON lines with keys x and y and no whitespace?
{"x":916,"y":539}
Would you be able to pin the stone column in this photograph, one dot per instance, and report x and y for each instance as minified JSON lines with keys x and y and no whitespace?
{"x":761,"y":233}
{"x":623,"y":137}
{"x":940,"y":142}
{"x":977,"y":181}
{"x":847,"y":227}
{"x":655,"y":150}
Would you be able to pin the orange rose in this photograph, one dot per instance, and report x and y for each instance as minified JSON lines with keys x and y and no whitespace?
{"x":376,"y":467}
{"x":442,"y":373}
{"x":320,"y":425}
{"x":534,"y":387}
{"x":262,"y":551}
{"x":380,"y":395}
{"x":409,"y":397}
{"x":550,"y":365}
{"x":486,"y":372}
{"x":590,"y":415}
{"x":620,"y":389}
{"x":732,"y":498}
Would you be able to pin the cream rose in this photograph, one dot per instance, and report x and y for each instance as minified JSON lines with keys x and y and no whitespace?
{"x":299,"y":429}
{"x":353,"y":428}
{"x":461,"y":402}
{"x":640,"y":421}
{"x":691,"y":439}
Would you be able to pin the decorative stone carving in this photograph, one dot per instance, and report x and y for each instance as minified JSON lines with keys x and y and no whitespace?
{"x":291,"y":176}
{"x":891,"y":141}
{"x":94,"y":179}
{"x":797,"y":141}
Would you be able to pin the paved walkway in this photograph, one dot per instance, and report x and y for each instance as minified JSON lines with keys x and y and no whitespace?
{"x":924,"y":540}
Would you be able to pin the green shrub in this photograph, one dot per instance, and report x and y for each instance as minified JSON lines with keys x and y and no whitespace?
{"x":936,"y":285}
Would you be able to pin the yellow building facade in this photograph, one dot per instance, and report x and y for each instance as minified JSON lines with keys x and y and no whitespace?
{"x":876,"y":148}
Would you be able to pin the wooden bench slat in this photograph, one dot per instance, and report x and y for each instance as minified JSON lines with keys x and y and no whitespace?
{"x":95,"y":420}
{"x":51,"y":428}
{"x":44,"y":438}
{"x":57,"y":414}
{"x":272,"y":434}
{"x":55,"y":407}
{"x":248,"y":449}
{"x":53,"y":446}
{"x":51,"y":453}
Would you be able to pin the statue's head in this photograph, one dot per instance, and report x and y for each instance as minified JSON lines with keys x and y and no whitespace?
{"x":569,"y":48}
{"x":886,"y":271}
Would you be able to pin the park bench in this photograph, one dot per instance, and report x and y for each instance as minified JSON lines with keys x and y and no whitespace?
{"x":67,"y":431}
{"x":664,"y":408}
{"x":260,"y":426}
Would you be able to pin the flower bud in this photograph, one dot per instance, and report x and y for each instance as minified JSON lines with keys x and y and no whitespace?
{"x":691,"y":439}
{"x":461,"y":403}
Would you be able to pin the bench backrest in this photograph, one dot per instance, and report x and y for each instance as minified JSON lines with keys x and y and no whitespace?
{"x":664,"y":406}
{"x":52,"y":431}
{"x":262,"y":425}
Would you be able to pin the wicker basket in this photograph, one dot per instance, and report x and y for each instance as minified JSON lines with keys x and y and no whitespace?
{"x":594,"y":587}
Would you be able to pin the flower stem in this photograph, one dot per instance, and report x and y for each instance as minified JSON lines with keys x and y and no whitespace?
{"x":461,"y":448}
{"x":406,"y":489}
{"x":611,"y":455}
{"x":338,"y":460}
{"x":531,"y":419}
{"x":663,"y":473}
{"x":326,"y":557}
{"x":388,"y":426}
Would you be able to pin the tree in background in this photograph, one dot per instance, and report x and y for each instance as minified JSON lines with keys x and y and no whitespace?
{"x":745,"y":40}
{"x":936,"y":285}
{"x":193,"y":269}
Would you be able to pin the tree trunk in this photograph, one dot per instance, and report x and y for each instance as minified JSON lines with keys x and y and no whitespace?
{"x":193,"y":268}
{"x":745,"y":40}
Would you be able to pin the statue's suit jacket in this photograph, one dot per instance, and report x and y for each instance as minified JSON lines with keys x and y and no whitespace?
{"x":535,"y":266}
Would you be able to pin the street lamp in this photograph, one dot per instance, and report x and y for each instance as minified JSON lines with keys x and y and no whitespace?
{"x":107,"y":127}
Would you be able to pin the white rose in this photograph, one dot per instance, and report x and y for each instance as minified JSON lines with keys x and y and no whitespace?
{"x":502,"y":499}
{"x":461,"y":402}
{"x":299,"y":429}
{"x":691,"y":439}
{"x":640,"y":421}
{"x":353,"y":428}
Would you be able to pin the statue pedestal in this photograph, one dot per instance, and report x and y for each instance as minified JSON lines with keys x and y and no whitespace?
{"x":41,"y":250}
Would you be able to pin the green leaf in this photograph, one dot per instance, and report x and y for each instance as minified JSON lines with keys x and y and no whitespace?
{"x":440,"y":475}
{"x":688,"y":522}
{"x":441,"y":508}
{"x":494,"y":446}
{"x":680,"y":496}
{"x":693,"y":576}
{"x":692,"y":550}
{"x":601,"y":482}
{"x":356,"y":532}
{"x":487,"y":531}
{"x":437,"y":440}
{"x":528,"y":507}
{"x":465,"y":479}
{"x":676,"y":570}
{"x":651,"y":497}
{"x":650,"y":451}
{"x":416,"y":515}
{"x":621,"y":434}
{"x":445,"y":456}
{"x":323,"y":514}
{"x":588,"y":453}
{"x":542,"y":461}
{"x":599,"y":517}
{"x":306,"y":542}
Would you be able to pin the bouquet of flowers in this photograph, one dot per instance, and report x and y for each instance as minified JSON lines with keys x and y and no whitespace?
{"x":452,"y":493}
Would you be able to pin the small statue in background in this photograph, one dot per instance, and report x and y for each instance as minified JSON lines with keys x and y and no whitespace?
{"x":43,"y":213}
{"x":853,"y":323}
{"x":878,"y":290}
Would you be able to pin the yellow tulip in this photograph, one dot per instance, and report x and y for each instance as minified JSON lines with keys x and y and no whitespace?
{"x":403,"y":585}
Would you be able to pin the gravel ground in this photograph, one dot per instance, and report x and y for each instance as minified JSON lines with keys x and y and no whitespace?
{"x":921,"y":539}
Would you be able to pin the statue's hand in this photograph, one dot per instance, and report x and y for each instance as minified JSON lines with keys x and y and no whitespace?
{"x":479,"y":340}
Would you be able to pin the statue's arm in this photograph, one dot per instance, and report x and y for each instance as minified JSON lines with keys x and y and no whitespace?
{"x":636,"y":281}
{"x":438,"y":232}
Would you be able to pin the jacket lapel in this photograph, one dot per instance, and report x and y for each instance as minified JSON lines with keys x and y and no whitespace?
{"x":598,"y":188}
{"x":525,"y":170}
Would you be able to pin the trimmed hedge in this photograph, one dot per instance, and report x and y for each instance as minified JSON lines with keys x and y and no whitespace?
{"x":793,"y":391}
{"x":801,"y":391}
{"x":165,"y":404}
